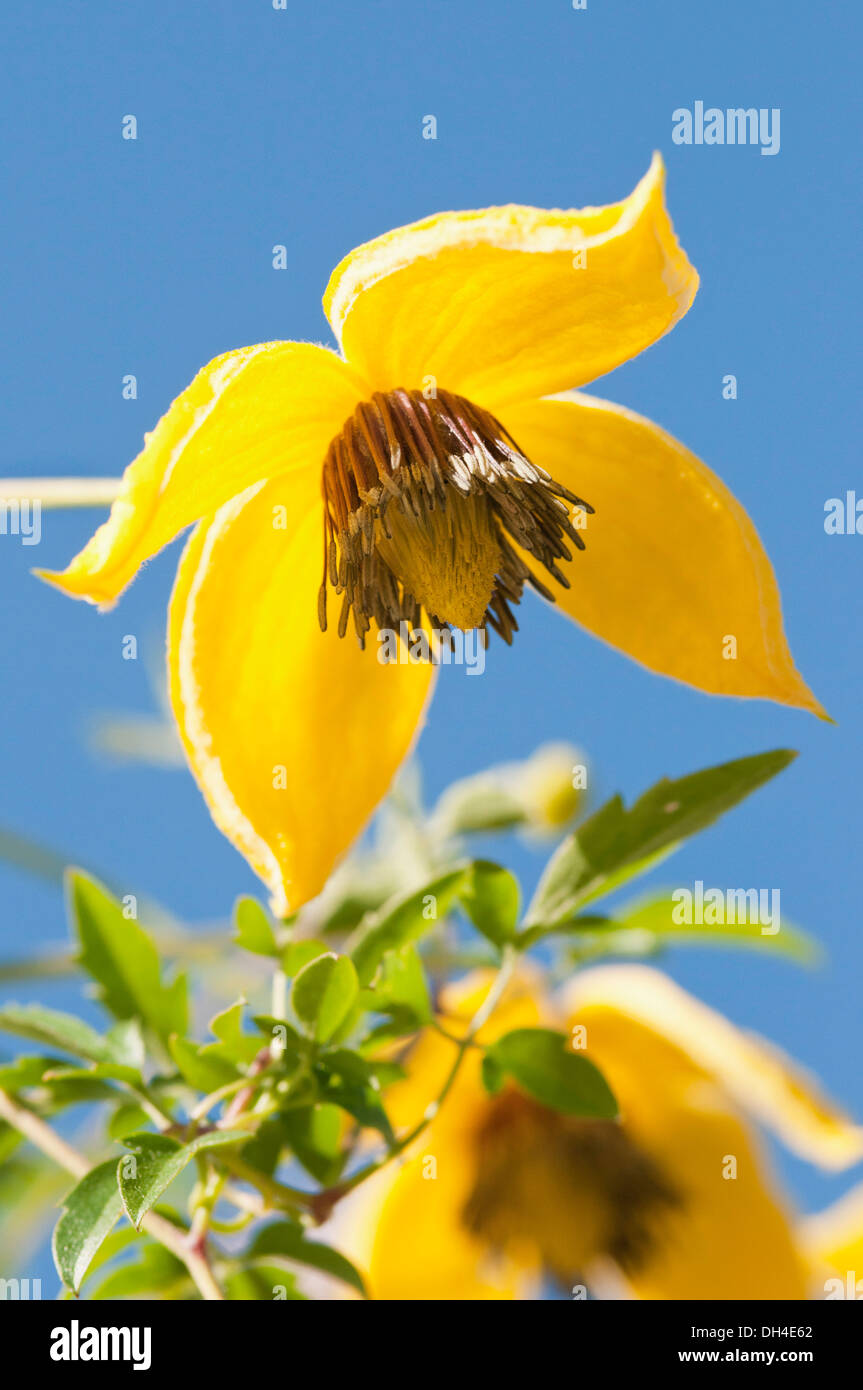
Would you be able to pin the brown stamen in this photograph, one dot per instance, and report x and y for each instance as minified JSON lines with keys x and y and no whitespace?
{"x":577,"y":1189}
{"x":425,"y":501}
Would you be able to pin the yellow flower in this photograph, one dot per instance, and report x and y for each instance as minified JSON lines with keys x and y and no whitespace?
{"x":421,"y":472}
{"x":673,"y":1201}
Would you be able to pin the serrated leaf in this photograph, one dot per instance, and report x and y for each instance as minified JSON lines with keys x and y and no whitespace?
{"x":158,"y":1160}
{"x":287,"y":1239}
{"x":616,"y":843}
{"x":491,"y":899}
{"x":119,"y":955}
{"x":253,"y":929}
{"x":323,"y":994}
{"x":90,"y":1213}
{"x":404,"y":920}
{"x":540,"y":1061}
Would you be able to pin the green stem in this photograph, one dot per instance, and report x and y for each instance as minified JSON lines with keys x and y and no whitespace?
{"x":277,"y":1194}
{"x":323,"y":1202}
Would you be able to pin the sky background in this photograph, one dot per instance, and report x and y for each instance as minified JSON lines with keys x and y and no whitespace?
{"x":304,"y":127}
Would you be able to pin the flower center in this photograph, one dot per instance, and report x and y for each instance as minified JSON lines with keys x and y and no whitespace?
{"x":425,"y":502}
{"x":574,"y":1189}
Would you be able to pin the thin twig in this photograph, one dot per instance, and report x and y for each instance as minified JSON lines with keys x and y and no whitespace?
{"x":174,"y":1238}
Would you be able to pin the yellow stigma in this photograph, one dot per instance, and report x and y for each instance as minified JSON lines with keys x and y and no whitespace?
{"x":427,"y":503}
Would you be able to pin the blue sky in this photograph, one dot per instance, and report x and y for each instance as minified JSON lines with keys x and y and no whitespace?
{"x":304,"y":127}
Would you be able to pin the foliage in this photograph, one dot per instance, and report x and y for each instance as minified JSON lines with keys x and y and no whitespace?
{"x":261,"y":1123}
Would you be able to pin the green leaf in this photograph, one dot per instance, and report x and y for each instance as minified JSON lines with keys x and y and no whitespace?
{"x":288,"y":1045}
{"x":234,"y":1045}
{"x":202,"y":1072}
{"x":26,"y":1071}
{"x":287,"y":1238}
{"x":400,"y":989}
{"x":493,"y":1076}
{"x":492,"y":900}
{"x":156,"y":1271}
{"x":64,"y":1031}
{"x":616,"y":843}
{"x":314,"y":1134}
{"x":541,"y":1062}
{"x":101,"y":1071}
{"x":653,"y":917}
{"x":354,"y":1067}
{"x":123,"y":961}
{"x":90,"y":1213}
{"x":264,"y":1148}
{"x":156,"y":1160}
{"x":254,"y":932}
{"x":362,"y":1102}
{"x":300,"y":953}
{"x":257,"y":1281}
{"x":125,"y":1120}
{"x":324,"y":992}
{"x":404,"y":920}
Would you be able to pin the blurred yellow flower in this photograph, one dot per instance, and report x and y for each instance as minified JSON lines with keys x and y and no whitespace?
{"x":673,"y":1201}
{"x":419,"y":475}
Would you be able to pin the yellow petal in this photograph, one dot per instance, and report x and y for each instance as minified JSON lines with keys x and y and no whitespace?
{"x":294,"y":735}
{"x":833,"y":1240}
{"x":678,"y":1035}
{"x":248,"y":415}
{"x":494,"y":305}
{"x":683,"y":1077}
{"x":674,"y":573}
{"x":730,"y":1237}
{"x":407,"y":1233}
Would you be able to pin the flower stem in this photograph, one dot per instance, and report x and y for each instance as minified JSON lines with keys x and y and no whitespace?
{"x":62,"y":492}
{"x":323,"y":1202}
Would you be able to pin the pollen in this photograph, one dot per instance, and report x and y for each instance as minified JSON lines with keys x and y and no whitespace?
{"x":430,"y":509}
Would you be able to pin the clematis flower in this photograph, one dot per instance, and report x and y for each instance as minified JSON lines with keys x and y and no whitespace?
{"x":675,"y":1200}
{"x":420,"y":476}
